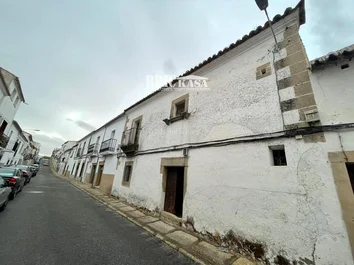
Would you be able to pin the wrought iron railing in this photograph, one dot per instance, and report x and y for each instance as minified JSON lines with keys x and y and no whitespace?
{"x":108,"y":145}
{"x":130,"y":137}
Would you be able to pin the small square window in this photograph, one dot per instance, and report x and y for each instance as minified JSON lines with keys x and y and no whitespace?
{"x":180,"y":108}
{"x":127,"y":174}
{"x":263,"y":71}
{"x":278,"y":155}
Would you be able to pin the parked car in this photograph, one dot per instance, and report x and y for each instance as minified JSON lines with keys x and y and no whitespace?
{"x":34,"y":170}
{"x":5,"y":192}
{"x":27,"y":173}
{"x":14,"y":179}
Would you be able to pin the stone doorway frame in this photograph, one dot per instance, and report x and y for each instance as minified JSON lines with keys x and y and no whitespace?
{"x":173,"y":162}
{"x":344,"y":189}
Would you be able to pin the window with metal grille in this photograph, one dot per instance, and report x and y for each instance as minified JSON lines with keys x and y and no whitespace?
{"x":278,"y":155}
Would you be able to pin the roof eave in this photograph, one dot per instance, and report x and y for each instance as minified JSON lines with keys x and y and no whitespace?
{"x":300,"y":7}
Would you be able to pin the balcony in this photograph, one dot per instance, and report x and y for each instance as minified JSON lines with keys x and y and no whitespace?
{"x":130,"y":141}
{"x":4,"y":140}
{"x":108,"y":146}
{"x":92,"y":149}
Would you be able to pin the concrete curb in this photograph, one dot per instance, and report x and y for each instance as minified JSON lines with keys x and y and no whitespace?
{"x":185,"y":250}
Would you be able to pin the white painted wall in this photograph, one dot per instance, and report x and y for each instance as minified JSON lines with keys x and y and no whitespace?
{"x":8,"y":109}
{"x":236,"y":105}
{"x":293,"y":210}
{"x":333,"y":88}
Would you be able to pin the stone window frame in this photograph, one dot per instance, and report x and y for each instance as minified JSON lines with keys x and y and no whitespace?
{"x":124,"y":182}
{"x":136,"y":132}
{"x":263,"y":71}
{"x":174,"y":103}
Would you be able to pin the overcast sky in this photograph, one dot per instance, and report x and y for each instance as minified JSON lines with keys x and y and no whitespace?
{"x":82,"y":62}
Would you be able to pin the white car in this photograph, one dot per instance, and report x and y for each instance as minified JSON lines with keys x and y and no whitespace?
{"x":4,"y":194}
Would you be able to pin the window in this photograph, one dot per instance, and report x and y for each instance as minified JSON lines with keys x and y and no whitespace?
{"x":278,"y":155}
{"x":13,"y":94}
{"x":113,"y":133}
{"x":127,"y":174}
{"x":179,"y":106}
{"x":16,"y":101}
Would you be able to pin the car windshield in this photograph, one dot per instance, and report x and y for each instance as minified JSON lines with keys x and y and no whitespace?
{"x":6,"y":171}
{"x":22,"y":167}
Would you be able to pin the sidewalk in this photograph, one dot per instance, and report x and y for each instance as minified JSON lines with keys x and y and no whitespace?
{"x":192,"y":246}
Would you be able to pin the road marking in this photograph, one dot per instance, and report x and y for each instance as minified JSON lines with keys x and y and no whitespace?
{"x":35,"y":191}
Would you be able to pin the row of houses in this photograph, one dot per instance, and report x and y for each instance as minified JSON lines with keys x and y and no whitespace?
{"x":265,"y":155}
{"x":16,"y":146}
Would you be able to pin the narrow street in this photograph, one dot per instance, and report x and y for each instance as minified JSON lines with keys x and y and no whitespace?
{"x":52,"y":222}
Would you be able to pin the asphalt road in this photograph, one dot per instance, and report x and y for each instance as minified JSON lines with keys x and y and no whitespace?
{"x":52,"y":222}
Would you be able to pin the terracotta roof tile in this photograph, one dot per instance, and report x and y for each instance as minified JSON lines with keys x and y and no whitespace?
{"x":288,"y":11}
{"x":333,"y":57}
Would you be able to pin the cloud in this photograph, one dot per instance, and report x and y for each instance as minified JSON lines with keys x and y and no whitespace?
{"x":331,"y":23}
{"x":169,"y":67}
{"x":84,"y":125}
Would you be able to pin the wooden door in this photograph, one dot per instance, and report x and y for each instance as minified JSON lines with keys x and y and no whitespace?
{"x":171,"y":189}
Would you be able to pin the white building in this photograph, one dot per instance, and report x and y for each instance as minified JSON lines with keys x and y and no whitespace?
{"x":13,"y":151}
{"x":264,"y":156}
{"x":63,"y":155}
{"x":97,"y":155}
{"x":11,"y":97}
{"x":249,"y":158}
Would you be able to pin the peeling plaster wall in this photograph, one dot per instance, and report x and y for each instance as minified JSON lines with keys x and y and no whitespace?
{"x":237,"y":103}
{"x":291,"y":209}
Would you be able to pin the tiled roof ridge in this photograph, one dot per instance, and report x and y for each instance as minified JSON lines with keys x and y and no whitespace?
{"x":333,"y":57}
{"x":259,"y":29}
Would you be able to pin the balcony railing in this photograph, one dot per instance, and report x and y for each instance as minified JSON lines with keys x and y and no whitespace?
{"x":4,"y":140}
{"x":108,"y":145}
{"x":130,"y":141}
{"x":92,"y":149}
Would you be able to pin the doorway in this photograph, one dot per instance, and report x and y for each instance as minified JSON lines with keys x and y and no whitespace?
{"x":99,"y":175}
{"x":174,"y":190}
{"x":350,"y":168}
{"x":82,"y":170}
{"x":93,"y":171}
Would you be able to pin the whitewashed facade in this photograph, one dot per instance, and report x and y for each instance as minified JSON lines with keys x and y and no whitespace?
{"x":264,"y":155}
{"x":226,"y":145}
{"x":96,"y":156}
{"x":11,"y":97}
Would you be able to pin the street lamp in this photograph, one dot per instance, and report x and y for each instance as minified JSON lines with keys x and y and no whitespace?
{"x":262,"y":5}
{"x":35,"y":130}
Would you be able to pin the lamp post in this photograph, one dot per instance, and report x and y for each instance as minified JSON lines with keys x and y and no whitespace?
{"x":262,"y":5}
